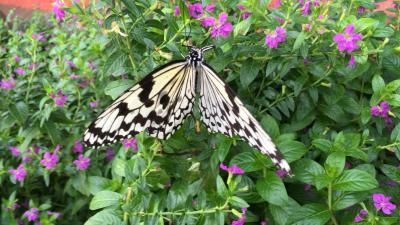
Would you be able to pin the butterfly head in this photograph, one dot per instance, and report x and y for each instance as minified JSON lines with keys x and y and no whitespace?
{"x":196,"y":54}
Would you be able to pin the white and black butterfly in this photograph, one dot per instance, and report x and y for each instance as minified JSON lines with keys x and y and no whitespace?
{"x":163,"y":99}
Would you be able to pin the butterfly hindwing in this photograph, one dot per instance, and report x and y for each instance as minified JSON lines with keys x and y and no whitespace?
{"x":222,"y":111}
{"x":158,"y":103}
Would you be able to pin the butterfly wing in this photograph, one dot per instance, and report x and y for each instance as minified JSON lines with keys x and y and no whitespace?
{"x":158,"y":103}
{"x":222,"y":111}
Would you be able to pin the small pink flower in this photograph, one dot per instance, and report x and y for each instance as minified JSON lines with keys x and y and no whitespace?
{"x":177,"y":10}
{"x":32,"y":214}
{"x":130,"y":143}
{"x":14,"y":151}
{"x":307,"y":187}
{"x":39,"y":36}
{"x":31,"y":66}
{"x":360,"y":216}
{"x":7,"y":84}
{"x":78,"y":147}
{"x":233,"y":169}
{"x":347,"y":41}
{"x":196,"y":10}
{"x":281,"y":173}
{"x":17,"y":58}
{"x":276,"y":37}
{"x":70,"y":63}
{"x":352,"y":61}
{"x":382,"y":202}
{"x":59,"y":99}
{"x":242,"y":219}
{"x":241,"y":7}
{"x":246,"y":15}
{"x":19,"y":173}
{"x":49,"y":160}
{"x":109,"y":154}
{"x":209,"y":21}
{"x":20,"y":71}
{"x":92,"y":66}
{"x":57,"y":215}
{"x":82,"y":163}
{"x":93,"y":104}
{"x":58,"y":10}
{"x":210,"y":7}
{"x":223,"y":27}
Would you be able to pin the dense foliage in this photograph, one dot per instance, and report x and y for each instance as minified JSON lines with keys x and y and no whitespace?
{"x":321,"y":76}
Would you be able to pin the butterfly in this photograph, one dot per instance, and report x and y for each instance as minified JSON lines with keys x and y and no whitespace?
{"x":161,"y":101}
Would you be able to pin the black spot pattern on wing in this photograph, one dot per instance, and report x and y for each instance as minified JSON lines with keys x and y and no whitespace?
{"x":158,"y":103}
{"x":222,"y":111}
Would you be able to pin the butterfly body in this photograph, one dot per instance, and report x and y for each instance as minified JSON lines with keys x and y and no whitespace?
{"x":163,"y":99}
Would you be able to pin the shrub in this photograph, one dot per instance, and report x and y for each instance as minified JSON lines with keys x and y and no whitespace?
{"x":320,"y":76}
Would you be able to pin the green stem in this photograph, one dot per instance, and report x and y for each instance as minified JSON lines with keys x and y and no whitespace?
{"x":333,"y":219}
{"x":28,"y":90}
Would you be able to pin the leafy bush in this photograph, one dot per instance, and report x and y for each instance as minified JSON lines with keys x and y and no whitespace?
{"x":320,"y":76}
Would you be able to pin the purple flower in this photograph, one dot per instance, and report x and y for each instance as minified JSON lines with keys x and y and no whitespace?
{"x":233,"y":169}
{"x":109,"y":154}
{"x":306,"y":8}
{"x":7,"y":84}
{"x":347,"y":41}
{"x":223,"y":27}
{"x":17,"y":58}
{"x":352,"y":61}
{"x":55,"y":214}
{"x":360,"y":216}
{"x":60,"y":99}
{"x":74,"y":76}
{"x":280,"y":20}
{"x":70,"y":63}
{"x":210,"y":7}
{"x":381,"y":202}
{"x":82,"y":163}
{"x":263,"y":222}
{"x":246,"y":15}
{"x":196,"y":10}
{"x":361,"y":9}
{"x":381,"y":110}
{"x":209,"y":21}
{"x":39,"y":36}
{"x":242,"y":219}
{"x":32,"y":214}
{"x":307,"y":187}
{"x":177,"y":10}
{"x":31,"y":66}
{"x":241,"y":7}
{"x":78,"y":147}
{"x":19,"y":173}
{"x":14,"y":151}
{"x":276,"y":37}
{"x":281,"y":173}
{"x":20,"y":71}
{"x":93,"y":104}
{"x":58,"y":10}
{"x":91,"y":65}
{"x":130,"y":143}
{"x":49,"y":160}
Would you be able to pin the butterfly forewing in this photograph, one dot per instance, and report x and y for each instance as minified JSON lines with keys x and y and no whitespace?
{"x":222,"y":111}
{"x":158,"y":104}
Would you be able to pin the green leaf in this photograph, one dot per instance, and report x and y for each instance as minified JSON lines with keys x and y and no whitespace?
{"x":249,"y":71}
{"x":242,"y":28}
{"x":392,"y":172}
{"x":247,"y":161}
{"x":292,"y":150}
{"x":104,"y":199}
{"x":355,"y":180}
{"x":19,"y":111}
{"x":378,"y":84}
{"x":221,"y":188}
{"x":224,"y":144}
{"x":115,"y":64}
{"x":334,"y":164}
{"x":53,"y":132}
{"x":116,"y":88}
{"x":29,"y":134}
{"x":118,"y":167}
{"x":299,"y":40}
{"x":365,"y":23}
{"x":310,"y":172}
{"x":346,"y":199}
{"x":310,"y":214}
{"x":272,"y":189}
{"x":106,"y":217}
{"x":270,"y":125}
{"x":383,"y":32}
{"x":322,"y":144}
{"x":238,"y":202}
